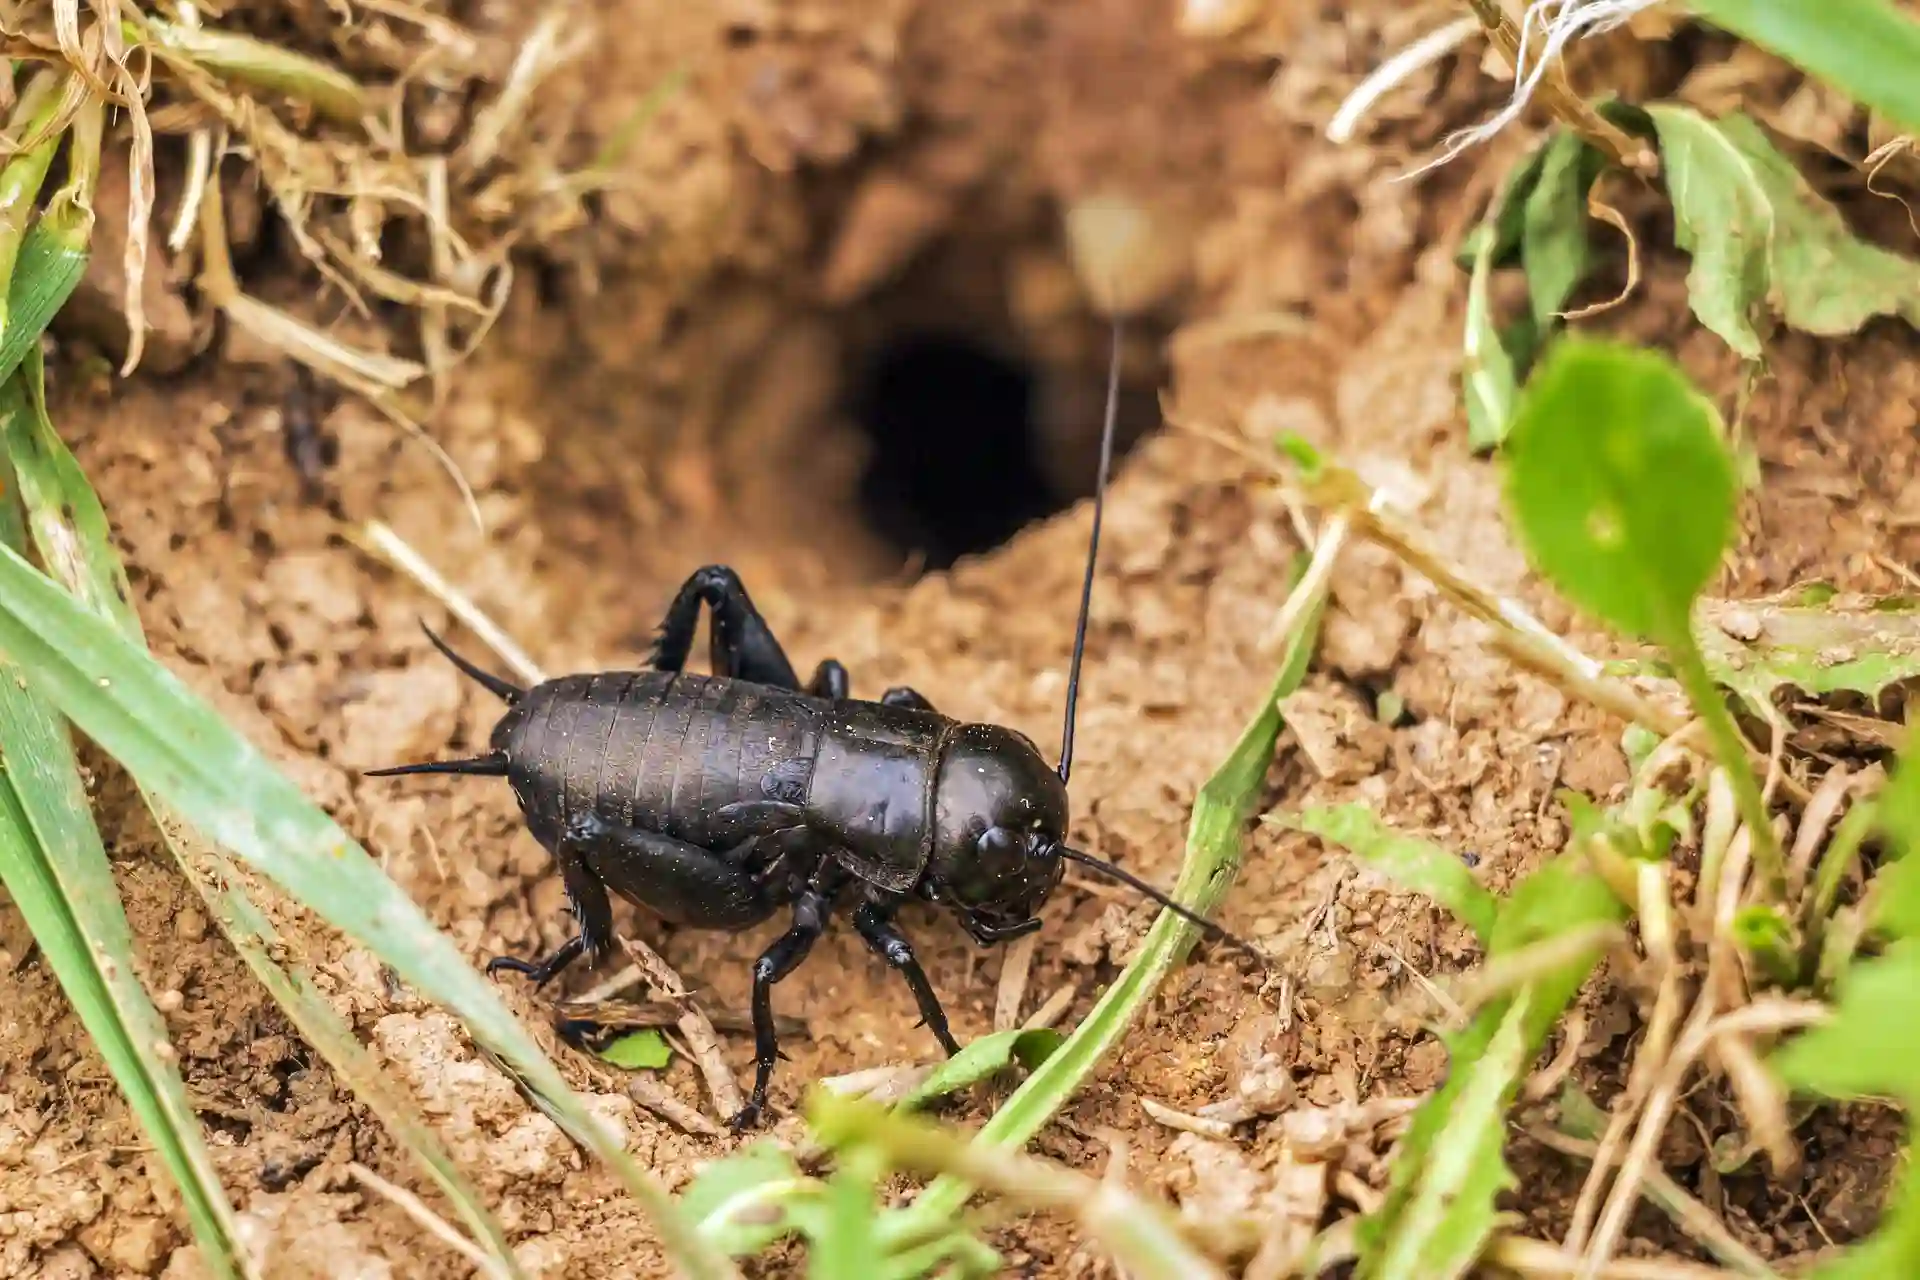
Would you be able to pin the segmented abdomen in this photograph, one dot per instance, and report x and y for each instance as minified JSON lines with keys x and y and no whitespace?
{"x":663,"y":751}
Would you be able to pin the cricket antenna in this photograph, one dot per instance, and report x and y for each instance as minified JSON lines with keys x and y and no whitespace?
{"x":507,"y":692}
{"x":1093,"y":551}
{"x":1113,"y":872}
{"x":493,"y":765}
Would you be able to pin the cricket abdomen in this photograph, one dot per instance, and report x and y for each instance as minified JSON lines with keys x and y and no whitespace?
{"x":666,"y":752}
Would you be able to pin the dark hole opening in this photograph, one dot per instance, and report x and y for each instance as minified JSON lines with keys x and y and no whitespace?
{"x":954,"y":468}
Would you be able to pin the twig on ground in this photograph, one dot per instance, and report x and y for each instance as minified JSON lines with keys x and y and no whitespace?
{"x":702,"y":1042}
{"x":1205,"y":1126}
{"x":885,"y":1085}
{"x":1051,"y":1008}
{"x":1536,"y":1258}
{"x":1642,"y":1078}
{"x":1820,"y":813}
{"x":650,"y":1092}
{"x":643,"y":1014}
{"x":1704,"y":1026}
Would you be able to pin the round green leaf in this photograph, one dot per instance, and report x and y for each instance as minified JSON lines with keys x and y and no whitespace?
{"x":1620,"y":484}
{"x":645,"y":1050}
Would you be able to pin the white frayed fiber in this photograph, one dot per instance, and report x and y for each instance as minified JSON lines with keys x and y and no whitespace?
{"x":1546,"y":28}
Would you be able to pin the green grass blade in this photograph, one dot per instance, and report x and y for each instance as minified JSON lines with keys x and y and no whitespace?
{"x":70,"y":531}
{"x":982,"y":1058}
{"x":49,"y":268}
{"x":1214,"y":837}
{"x":54,"y":865}
{"x":1145,"y":1238}
{"x":93,"y":962}
{"x":23,"y":175}
{"x":849,"y":1244}
{"x":1487,"y":377}
{"x":1449,"y":1215}
{"x":1454,"y":1144}
{"x":1867,"y":49}
{"x":177,"y":746}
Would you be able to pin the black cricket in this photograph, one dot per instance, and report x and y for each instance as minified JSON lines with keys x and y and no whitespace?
{"x":714,"y":801}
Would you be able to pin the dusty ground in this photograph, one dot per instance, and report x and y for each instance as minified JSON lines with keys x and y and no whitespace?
{"x":618,"y":440}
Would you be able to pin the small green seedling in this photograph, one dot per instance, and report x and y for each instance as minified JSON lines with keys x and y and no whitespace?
{"x":1623,"y":490}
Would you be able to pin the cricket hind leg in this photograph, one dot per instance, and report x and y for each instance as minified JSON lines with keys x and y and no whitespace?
{"x":742,"y":646}
{"x":587,"y":899}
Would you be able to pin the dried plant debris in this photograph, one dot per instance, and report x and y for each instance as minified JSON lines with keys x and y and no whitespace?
{"x":391,"y":201}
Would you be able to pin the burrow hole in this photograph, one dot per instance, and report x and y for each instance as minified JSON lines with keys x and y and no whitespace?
{"x":979,"y":421}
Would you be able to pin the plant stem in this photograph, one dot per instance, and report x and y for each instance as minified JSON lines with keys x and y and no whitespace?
{"x":71,"y":207}
{"x":1626,"y":151}
{"x":1691,"y":670}
{"x":1843,"y":851}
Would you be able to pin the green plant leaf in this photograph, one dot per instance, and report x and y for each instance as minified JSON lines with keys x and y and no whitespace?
{"x":1762,"y":931}
{"x":1539,"y":220}
{"x":180,"y":749}
{"x":1448,"y":1170}
{"x":982,"y":1058}
{"x":26,"y":172}
{"x":51,"y":263}
{"x":1415,"y":864}
{"x":1487,"y":377}
{"x":1865,"y":48}
{"x":1554,"y":247}
{"x":1505,"y":216}
{"x":848,"y":1242}
{"x":244,"y":60}
{"x":71,"y":533}
{"x":1620,"y":485}
{"x":1870,"y":1047}
{"x":752,"y":1198}
{"x":1558,"y":897}
{"x":1145,"y":1238}
{"x":646,"y":1050}
{"x":1762,"y":239}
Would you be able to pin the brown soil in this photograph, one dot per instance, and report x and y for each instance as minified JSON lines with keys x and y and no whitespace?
{"x":674,"y":407}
